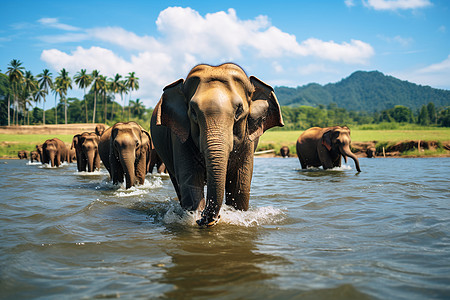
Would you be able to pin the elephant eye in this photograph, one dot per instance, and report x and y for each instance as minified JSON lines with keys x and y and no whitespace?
{"x":239,"y":111}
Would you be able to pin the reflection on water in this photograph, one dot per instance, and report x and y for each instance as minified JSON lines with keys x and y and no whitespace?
{"x":309,"y":234}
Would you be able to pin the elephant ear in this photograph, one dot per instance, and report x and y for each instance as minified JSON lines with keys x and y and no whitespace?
{"x":265,"y":110}
{"x":326,"y":139}
{"x":146,"y":151}
{"x":172,"y":109}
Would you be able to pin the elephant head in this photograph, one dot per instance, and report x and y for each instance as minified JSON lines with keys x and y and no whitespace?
{"x":99,"y":129}
{"x":54,"y":152}
{"x":337,"y":141}
{"x":129,"y":152}
{"x":219,"y":112}
{"x":86,"y":148}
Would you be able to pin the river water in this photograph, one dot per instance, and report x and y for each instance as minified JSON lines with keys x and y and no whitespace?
{"x":309,"y":234}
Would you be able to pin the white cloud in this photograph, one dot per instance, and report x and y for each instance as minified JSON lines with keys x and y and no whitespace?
{"x":187,"y":38}
{"x":397,"y":39}
{"x":54,"y":23}
{"x":350,"y":3}
{"x":435,"y":75}
{"x":396,"y":4}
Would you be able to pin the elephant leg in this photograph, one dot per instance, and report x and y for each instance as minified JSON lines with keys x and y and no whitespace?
{"x":116,"y":171}
{"x":141,"y":169}
{"x":83,"y":162}
{"x":57,"y":160}
{"x":97,"y":161}
{"x":238,"y":182}
{"x":325,"y":158}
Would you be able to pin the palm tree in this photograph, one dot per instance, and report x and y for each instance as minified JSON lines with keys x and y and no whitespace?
{"x":103,"y":89}
{"x":123,"y":90}
{"x":45,"y":83}
{"x":137,"y":107}
{"x":38,"y":96}
{"x":29,"y":88}
{"x":56,"y":90}
{"x":15,"y":76}
{"x":64,"y":82}
{"x":132,"y":84}
{"x":115,"y":87}
{"x":95,"y":87}
{"x":83,"y":80}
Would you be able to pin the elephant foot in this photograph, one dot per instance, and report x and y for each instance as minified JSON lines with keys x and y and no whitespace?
{"x":208,"y":221}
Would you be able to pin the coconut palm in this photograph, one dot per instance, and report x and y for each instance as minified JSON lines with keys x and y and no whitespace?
{"x":45,"y":83}
{"x":95,"y":88}
{"x":64,"y":82}
{"x":137,"y":107}
{"x":38,"y":96}
{"x":15,"y":75}
{"x":132,"y":84}
{"x":103,"y":89}
{"x":115,"y":87}
{"x":30,"y":85}
{"x":56,"y":90}
{"x":123,"y":90}
{"x":83,"y":80}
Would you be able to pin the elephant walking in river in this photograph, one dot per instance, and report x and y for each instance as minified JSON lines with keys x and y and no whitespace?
{"x":325,"y":147}
{"x":206,"y":129}
{"x":86,"y":148}
{"x":125,"y":150}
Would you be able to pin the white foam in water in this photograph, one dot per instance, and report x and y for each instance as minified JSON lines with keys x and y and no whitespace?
{"x":95,"y":173}
{"x":138,"y":190}
{"x":342,"y":168}
{"x":228,"y":215}
{"x":49,"y":166}
{"x":34,"y":163}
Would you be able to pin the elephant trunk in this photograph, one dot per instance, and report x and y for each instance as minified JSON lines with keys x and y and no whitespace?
{"x":345,"y":150}
{"x":216,"y":162}
{"x":127,"y":161}
{"x":52,"y":158}
{"x":90,"y":161}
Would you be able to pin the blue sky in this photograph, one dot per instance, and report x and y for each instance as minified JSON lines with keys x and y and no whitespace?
{"x":290,"y":43}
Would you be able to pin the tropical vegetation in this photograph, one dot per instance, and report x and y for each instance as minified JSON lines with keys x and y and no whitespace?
{"x":21,"y":95}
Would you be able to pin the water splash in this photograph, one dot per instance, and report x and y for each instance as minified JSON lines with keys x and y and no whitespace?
{"x":171,"y":213}
{"x":34,"y":163}
{"x":94,"y":173}
{"x":138,"y":190}
{"x":49,"y":166}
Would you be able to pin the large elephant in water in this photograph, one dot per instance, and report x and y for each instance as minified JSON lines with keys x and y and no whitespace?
{"x":86,"y":148}
{"x":54,"y":152}
{"x":125,"y":149}
{"x":206,"y":129}
{"x":325,"y":147}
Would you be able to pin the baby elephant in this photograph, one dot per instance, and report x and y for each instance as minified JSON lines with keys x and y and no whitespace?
{"x":324,"y":147}
{"x":22,"y":154}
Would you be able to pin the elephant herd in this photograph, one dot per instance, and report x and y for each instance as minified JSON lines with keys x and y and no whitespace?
{"x":204,"y":131}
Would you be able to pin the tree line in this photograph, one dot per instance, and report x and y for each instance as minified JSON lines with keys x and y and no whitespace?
{"x":21,"y":89}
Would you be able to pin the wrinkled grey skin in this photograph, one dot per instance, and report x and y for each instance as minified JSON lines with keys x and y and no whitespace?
{"x":206,"y":129}
{"x":54,"y":152}
{"x":125,"y":150}
{"x":86,"y":147}
{"x":325,"y":147}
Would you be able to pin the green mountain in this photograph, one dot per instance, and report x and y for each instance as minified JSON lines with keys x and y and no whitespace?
{"x":364,"y":91}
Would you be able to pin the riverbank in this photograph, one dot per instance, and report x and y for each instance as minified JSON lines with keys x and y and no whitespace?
{"x":396,"y":143}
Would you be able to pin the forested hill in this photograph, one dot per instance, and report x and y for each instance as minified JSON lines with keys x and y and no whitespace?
{"x":364,"y":91}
